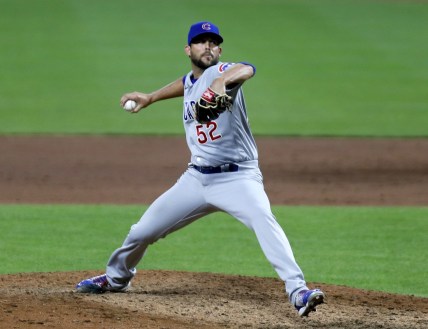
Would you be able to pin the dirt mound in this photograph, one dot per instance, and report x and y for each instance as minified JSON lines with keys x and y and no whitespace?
{"x":167,"y":299}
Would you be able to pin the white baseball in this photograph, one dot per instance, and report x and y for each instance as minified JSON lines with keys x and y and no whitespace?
{"x":129,"y":105}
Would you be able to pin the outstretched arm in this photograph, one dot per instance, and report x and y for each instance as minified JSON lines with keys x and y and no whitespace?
{"x":174,"y":89}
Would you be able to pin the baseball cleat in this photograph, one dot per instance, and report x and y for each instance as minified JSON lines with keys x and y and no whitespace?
{"x":97,"y":285}
{"x":308,"y":300}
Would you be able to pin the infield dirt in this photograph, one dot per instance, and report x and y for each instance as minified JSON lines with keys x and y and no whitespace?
{"x":135,"y":170}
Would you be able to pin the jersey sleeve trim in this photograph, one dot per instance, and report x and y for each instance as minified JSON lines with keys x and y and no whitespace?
{"x":254,"y":68}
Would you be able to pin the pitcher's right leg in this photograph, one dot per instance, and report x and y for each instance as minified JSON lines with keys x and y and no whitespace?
{"x":182,"y":204}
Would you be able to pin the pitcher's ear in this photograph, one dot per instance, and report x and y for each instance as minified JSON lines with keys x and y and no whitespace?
{"x":187,"y":50}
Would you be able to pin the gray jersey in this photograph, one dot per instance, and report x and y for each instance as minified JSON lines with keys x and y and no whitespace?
{"x":228,"y":139}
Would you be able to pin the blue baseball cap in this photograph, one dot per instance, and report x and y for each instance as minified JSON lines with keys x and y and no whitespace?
{"x":201,"y":28}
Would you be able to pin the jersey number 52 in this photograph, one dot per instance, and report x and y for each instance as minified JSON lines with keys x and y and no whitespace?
{"x":207,"y":132}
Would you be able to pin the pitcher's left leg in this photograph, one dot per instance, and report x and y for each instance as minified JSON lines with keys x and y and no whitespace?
{"x":246,"y":200}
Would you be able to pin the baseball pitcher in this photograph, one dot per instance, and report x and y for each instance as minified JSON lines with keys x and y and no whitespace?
{"x":222,"y":175}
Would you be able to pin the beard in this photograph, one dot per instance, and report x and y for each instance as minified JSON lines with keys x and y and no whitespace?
{"x":203,"y":65}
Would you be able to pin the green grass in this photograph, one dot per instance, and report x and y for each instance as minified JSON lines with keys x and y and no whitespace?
{"x":324,"y":67}
{"x":365,"y":247}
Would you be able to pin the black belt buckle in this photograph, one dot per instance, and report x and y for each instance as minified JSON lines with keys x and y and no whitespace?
{"x":228,"y":167}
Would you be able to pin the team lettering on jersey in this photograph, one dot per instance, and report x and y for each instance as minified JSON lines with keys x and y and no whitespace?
{"x":189,"y":110}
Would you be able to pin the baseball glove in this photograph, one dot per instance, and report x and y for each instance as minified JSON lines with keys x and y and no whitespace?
{"x":211,"y":105}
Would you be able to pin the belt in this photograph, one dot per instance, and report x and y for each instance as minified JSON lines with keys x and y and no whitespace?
{"x":228,"y":167}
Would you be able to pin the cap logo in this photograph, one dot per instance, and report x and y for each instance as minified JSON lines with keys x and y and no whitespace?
{"x":206,"y":26}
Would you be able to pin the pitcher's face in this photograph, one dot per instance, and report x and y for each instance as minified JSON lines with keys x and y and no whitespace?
{"x":204,"y":52}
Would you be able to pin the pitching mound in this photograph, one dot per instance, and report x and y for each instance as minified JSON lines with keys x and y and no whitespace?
{"x":163,"y":299}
